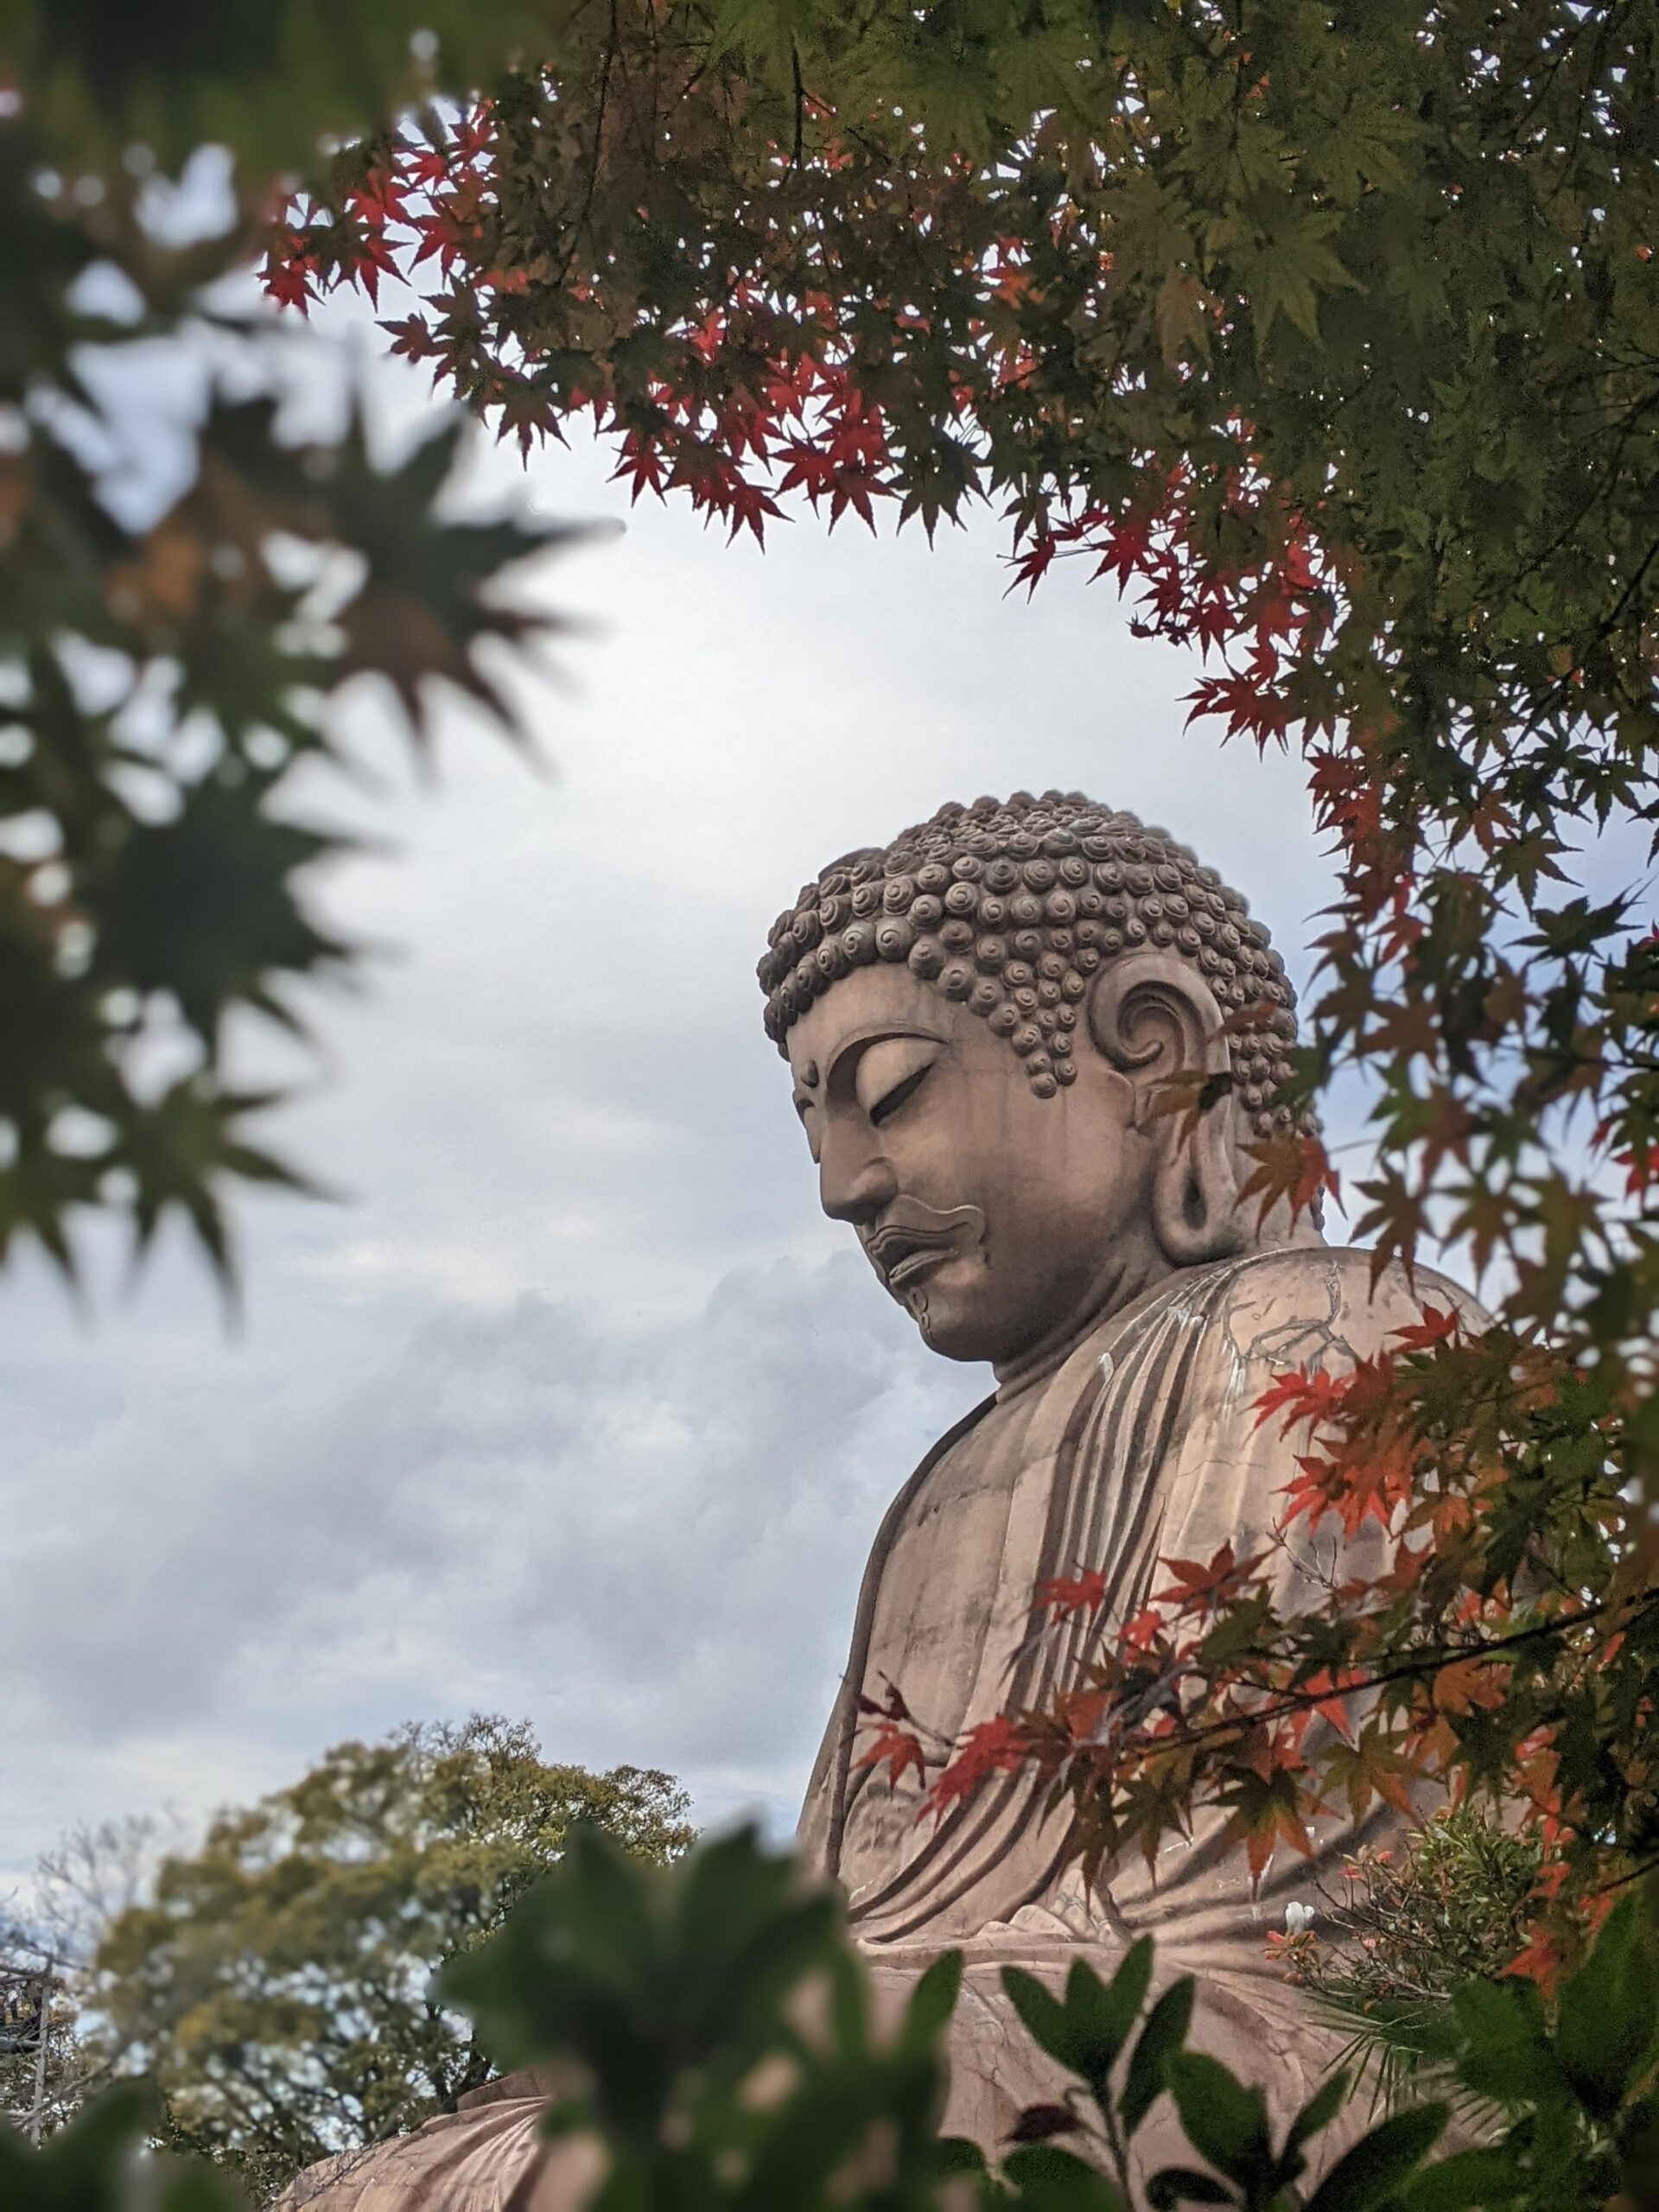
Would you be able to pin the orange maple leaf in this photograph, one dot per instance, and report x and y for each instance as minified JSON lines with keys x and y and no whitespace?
{"x":1468,"y":1686}
{"x":1141,"y":1629}
{"x":1294,"y":1166}
{"x":1202,"y":1585}
{"x":1307,"y":1394}
{"x":896,"y":1749}
{"x":1333,"y":1706}
{"x":1066,"y":1595}
{"x":1435,"y":1327}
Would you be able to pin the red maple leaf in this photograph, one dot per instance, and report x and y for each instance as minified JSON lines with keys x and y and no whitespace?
{"x":475,"y":134}
{"x":1308,"y":1394}
{"x":1252,"y":709}
{"x":809,"y":469}
{"x":999,"y":1746}
{"x":1641,"y":1163}
{"x":1127,"y":547}
{"x":1203,"y":1586}
{"x":1065,"y":1595}
{"x":1436,"y":1327}
{"x":378,"y":197}
{"x":642,"y":464}
{"x":366,"y":259}
{"x":749,"y":506}
{"x":1032,"y":565}
{"x":289,"y":273}
{"x":411,"y":338}
{"x":423,"y":166}
{"x":897,"y":1748}
{"x":1354,"y":1484}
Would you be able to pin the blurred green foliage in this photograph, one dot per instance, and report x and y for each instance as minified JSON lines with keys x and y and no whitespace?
{"x":270,"y":78}
{"x":672,"y":2001}
{"x":720,"y":2025}
{"x":713,"y":2031}
{"x":186,"y":592}
{"x":103,"y":2164}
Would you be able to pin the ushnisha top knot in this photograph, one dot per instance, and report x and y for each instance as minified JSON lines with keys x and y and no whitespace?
{"x":1011,"y":905}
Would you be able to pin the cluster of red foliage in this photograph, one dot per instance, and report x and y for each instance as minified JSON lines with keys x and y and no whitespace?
{"x":1173,"y":1710}
{"x":422,"y":202}
{"x":757,"y":406}
{"x":1283,"y":598}
{"x":799,"y":423}
{"x":752,"y":405}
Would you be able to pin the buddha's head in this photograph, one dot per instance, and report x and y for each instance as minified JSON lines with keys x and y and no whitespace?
{"x":983,"y":1023}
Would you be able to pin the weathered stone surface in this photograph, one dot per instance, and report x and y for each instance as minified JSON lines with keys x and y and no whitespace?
{"x":983,"y":1024}
{"x":486,"y":2156}
{"x":1137,"y":1444}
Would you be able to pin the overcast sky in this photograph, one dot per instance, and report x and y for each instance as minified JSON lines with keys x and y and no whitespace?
{"x":574,"y":1407}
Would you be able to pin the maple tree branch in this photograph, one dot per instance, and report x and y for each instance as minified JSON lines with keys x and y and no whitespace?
{"x":585,"y":216}
{"x":1420,"y":1663}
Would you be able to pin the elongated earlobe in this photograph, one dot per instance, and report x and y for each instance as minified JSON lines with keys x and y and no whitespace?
{"x":1155,"y":1019}
{"x":1195,"y":1193}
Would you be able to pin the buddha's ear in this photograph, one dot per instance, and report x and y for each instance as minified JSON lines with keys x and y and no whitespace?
{"x":1153,"y":1017}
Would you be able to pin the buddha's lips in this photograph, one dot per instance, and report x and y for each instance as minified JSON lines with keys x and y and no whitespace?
{"x":914,"y":1238}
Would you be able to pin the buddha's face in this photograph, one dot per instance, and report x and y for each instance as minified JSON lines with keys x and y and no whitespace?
{"x":1001,"y":1219}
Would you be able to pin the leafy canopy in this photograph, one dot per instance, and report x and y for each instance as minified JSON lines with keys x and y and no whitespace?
{"x":1330,"y":332}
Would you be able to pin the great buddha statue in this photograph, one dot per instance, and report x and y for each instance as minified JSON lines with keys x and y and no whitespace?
{"x":980,"y":1022}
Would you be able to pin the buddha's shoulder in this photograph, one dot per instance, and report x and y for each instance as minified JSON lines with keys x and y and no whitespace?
{"x":1289,"y":1305}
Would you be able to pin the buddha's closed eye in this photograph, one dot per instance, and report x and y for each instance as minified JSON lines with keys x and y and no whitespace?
{"x":890,"y":1101}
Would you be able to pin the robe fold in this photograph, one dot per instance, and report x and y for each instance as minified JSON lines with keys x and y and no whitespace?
{"x":1140,"y":1444}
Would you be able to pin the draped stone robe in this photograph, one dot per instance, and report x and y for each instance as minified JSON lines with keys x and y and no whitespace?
{"x":1140,"y":1444}
{"x":1143,"y":1443}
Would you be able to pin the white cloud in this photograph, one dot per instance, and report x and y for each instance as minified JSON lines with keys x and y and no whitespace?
{"x":647,"y":1534}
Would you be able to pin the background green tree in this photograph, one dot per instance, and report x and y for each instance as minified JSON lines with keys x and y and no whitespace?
{"x":87,"y":1879}
{"x":69,"y":2071}
{"x":187,"y":594}
{"x":277,"y":1984}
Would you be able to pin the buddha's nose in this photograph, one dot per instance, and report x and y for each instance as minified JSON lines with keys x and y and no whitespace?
{"x":856,"y":1177}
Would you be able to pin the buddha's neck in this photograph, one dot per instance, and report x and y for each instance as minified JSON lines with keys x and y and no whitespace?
{"x":1129,"y":1274}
